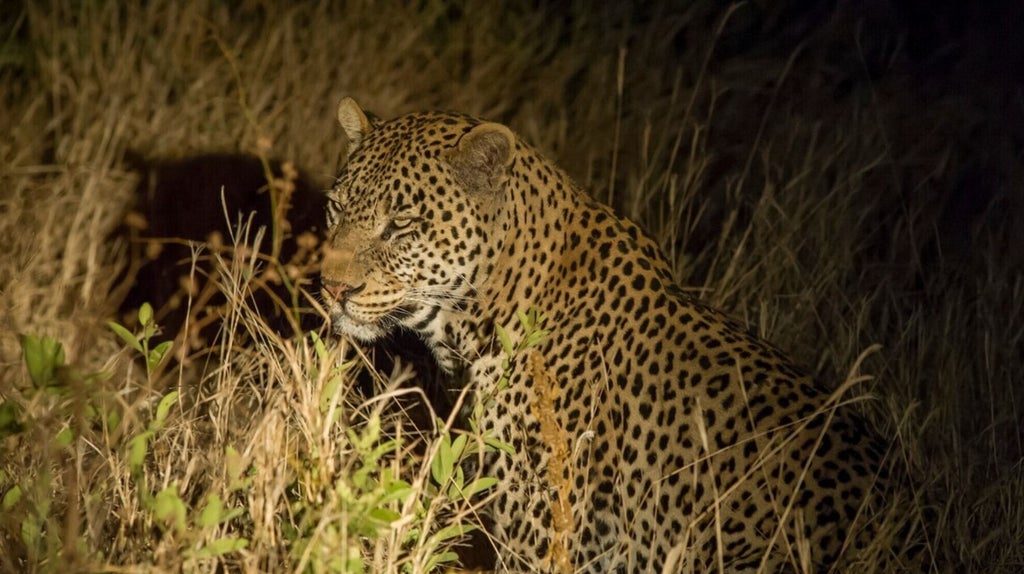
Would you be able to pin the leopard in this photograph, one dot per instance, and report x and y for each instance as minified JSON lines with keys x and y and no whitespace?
{"x":687,"y":442}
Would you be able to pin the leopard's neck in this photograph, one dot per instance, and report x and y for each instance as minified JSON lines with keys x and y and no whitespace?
{"x":532,"y":245}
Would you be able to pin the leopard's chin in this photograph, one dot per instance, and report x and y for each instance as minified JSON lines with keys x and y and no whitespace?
{"x":343,"y":324}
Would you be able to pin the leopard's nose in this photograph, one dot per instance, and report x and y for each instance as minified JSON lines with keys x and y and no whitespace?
{"x":339,"y":291}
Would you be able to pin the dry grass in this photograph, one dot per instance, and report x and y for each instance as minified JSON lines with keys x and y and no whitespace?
{"x":817,"y":217}
{"x":559,"y":464}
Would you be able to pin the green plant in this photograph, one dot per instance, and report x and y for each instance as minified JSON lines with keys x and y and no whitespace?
{"x":59,"y":403}
{"x":168,"y":510}
{"x":376,"y":503}
{"x":447,"y":471}
{"x":50,"y":374}
{"x":44,"y":358}
{"x":171,"y":513}
{"x":154,"y":356}
{"x":449,"y":489}
{"x":195,"y":526}
{"x":335,"y":379}
{"x":337,"y":515}
{"x":531,"y":321}
{"x":446,"y":466}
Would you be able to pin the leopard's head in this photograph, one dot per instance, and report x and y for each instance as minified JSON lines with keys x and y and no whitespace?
{"x":416,"y":219}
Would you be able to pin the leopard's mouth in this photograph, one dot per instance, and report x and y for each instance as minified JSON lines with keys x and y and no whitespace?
{"x":369,"y":323}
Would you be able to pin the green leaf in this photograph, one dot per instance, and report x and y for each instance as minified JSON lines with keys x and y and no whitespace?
{"x":525,"y":319}
{"x":362,"y":480}
{"x":438,"y":559}
{"x":479,"y":485}
{"x":113,"y":420}
{"x":384,"y":515}
{"x":330,"y":389}
{"x":30,"y":530}
{"x":458,"y":445}
{"x":9,"y":423}
{"x":289,"y":532}
{"x":126,"y":336}
{"x":535,"y":337}
{"x":157,"y":354}
{"x":64,"y":438}
{"x":222,"y":546}
{"x":162,"y":409}
{"x":443,"y":535}
{"x":441,"y":466}
{"x":458,"y":480}
{"x":11,"y":497}
{"x":145,"y":314}
{"x":137,"y":451}
{"x":395,"y":490}
{"x":170,"y":509}
{"x":506,"y":341}
{"x":231,"y":514}
{"x":212,"y":513}
{"x":380,"y":450}
{"x":318,"y":345}
{"x":353,"y":564}
{"x":371,"y":432}
{"x":43,"y":356}
{"x":499,"y":445}
{"x":452,"y":531}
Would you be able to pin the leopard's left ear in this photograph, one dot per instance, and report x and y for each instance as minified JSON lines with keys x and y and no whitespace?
{"x":354,"y":123}
{"x":483,"y":157}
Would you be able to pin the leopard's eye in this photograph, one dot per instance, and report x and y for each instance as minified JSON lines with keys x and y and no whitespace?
{"x":397,"y":226}
{"x":400,"y":223}
{"x":334,"y":211}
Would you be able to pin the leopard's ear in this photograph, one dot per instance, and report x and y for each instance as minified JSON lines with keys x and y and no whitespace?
{"x":354,"y":122}
{"x":483,"y":157}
